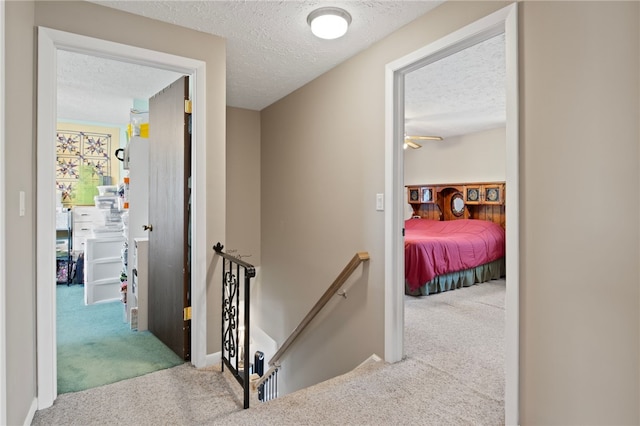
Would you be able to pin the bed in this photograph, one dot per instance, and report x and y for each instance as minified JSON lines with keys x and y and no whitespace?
{"x":450,"y":254}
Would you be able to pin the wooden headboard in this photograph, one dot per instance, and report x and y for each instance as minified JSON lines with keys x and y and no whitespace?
{"x":452,"y":201}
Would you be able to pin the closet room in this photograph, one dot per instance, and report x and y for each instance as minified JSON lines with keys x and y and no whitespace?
{"x":102,"y":188}
{"x":104,"y":147}
{"x":102,"y":181}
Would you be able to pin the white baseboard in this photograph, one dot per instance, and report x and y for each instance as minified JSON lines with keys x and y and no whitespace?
{"x":372,"y":358}
{"x":31,"y":413}
{"x":213,"y":359}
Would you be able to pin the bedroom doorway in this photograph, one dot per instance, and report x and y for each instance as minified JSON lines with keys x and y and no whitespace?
{"x":49,"y":43}
{"x":504,"y":22}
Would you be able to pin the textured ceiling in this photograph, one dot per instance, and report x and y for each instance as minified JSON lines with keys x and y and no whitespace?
{"x":270,"y":48}
{"x":102,"y":90}
{"x":271,"y":52}
{"x":460,"y":94}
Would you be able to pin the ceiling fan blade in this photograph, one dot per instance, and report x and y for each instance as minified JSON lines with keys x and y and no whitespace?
{"x":424,"y":138}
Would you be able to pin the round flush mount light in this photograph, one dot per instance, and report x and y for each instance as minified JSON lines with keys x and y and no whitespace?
{"x":329,"y":22}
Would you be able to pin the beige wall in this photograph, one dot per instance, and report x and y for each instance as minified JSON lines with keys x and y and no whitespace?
{"x":109,"y":24}
{"x":579,"y":156}
{"x":476,"y":157}
{"x":243,"y":184}
{"x":20,"y":231}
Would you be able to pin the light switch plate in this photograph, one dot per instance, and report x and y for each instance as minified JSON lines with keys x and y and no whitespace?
{"x":380,"y":202}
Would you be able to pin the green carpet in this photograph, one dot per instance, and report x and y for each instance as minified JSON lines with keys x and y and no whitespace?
{"x":96,"y":347}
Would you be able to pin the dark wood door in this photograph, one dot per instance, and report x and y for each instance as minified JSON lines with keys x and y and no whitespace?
{"x":169,"y":193}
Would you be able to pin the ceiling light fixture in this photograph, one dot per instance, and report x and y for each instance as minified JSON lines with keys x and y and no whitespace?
{"x":329,"y":22}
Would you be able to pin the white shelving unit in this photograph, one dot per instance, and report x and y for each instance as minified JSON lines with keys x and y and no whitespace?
{"x":140,"y":284}
{"x":138,"y":216}
{"x":84,"y":219}
{"x":103,"y":265}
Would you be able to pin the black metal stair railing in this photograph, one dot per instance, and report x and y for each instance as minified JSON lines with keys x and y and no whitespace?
{"x":235,"y":330}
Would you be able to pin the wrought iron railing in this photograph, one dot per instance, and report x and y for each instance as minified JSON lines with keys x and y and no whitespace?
{"x":268,"y":384}
{"x":235,"y":330}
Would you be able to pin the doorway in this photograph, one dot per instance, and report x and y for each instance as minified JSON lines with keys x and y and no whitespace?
{"x":459,"y":329}
{"x":49,"y":42}
{"x":97,"y":99}
{"x":504,"y":20}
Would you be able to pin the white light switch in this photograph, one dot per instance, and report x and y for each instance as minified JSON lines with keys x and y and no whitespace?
{"x":379,"y":202}
{"x":22,"y":207}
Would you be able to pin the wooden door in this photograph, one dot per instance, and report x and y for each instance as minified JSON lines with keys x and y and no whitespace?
{"x":169,"y":194}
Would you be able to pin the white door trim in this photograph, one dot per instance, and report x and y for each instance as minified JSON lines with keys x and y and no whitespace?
{"x":49,"y":42}
{"x":504,"y":20}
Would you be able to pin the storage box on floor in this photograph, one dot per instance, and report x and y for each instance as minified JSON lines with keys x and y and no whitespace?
{"x":103,"y":261}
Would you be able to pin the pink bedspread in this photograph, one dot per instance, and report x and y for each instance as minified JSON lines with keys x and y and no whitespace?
{"x":433,"y":248}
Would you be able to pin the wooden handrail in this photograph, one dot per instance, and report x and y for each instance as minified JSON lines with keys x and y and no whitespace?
{"x":339,"y":281}
{"x":251,"y":270}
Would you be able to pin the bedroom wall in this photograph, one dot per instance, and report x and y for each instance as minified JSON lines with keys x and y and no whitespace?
{"x":96,"y":21}
{"x":243,"y":183}
{"x":476,"y":157}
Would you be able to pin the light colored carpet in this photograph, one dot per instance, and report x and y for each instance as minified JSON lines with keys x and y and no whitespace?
{"x":452,"y":375}
{"x":461,"y":333}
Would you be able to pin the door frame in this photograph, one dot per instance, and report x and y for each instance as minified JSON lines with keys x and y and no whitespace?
{"x":50,"y":41}
{"x":504,"y":20}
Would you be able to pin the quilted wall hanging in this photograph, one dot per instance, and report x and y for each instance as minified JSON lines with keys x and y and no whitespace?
{"x":83,"y":162}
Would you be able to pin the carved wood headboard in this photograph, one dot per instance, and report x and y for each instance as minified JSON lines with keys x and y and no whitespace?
{"x":452,"y":201}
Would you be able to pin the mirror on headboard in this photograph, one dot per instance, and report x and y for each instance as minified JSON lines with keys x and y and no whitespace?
{"x":457,"y":204}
